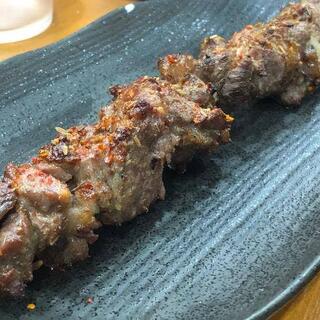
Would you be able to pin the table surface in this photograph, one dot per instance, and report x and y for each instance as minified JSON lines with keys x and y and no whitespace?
{"x":306,"y":305}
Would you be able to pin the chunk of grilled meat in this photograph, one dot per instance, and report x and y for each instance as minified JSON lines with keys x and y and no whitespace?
{"x":280,"y":58}
{"x":107,"y":173}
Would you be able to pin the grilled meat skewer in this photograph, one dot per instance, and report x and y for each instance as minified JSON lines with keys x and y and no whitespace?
{"x":106,"y":173}
{"x":109,"y":172}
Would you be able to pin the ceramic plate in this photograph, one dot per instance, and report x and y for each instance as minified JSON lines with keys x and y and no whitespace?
{"x":237,"y":235}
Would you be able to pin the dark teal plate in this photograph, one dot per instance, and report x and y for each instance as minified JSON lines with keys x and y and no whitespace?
{"x":237,"y":235}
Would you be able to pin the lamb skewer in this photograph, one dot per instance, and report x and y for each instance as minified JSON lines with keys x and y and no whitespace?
{"x":110,"y":172}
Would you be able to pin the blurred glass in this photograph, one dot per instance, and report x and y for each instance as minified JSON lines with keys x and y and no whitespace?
{"x":23,"y":19}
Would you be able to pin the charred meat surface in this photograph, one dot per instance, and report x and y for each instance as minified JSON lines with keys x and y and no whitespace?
{"x":105,"y":173}
{"x":180,"y":70}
